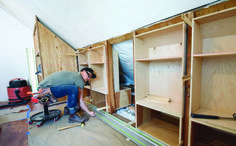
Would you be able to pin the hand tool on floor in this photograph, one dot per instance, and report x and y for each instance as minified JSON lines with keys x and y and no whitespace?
{"x":80,"y":124}
{"x":212,"y":116}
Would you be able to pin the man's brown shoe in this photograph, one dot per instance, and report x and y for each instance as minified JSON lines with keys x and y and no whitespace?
{"x":67,"y":110}
{"x":76,"y":118}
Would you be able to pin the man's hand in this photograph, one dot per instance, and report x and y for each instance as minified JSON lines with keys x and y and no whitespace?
{"x":92,"y":114}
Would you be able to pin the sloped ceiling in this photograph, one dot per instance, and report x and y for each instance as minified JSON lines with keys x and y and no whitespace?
{"x":84,"y":22}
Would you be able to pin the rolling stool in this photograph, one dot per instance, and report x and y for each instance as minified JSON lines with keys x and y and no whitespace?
{"x":46,"y":114}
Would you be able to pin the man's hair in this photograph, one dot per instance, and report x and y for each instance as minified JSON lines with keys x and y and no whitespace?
{"x":89,"y":70}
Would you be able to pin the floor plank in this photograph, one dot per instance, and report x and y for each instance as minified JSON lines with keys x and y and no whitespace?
{"x":14,"y":133}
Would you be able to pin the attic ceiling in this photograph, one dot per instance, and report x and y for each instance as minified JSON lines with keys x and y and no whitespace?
{"x":83,"y":22}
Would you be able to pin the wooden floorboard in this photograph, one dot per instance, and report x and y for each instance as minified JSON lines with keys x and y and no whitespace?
{"x":15,"y":133}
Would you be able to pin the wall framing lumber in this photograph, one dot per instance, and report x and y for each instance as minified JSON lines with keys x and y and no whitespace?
{"x":215,"y":8}
{"x":122,"y":38}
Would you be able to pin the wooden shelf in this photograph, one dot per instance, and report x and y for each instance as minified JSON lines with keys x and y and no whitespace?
{"x":97,"y":63}
{"x":87,"y":87}
{"x":97,"y":54}
{"x":84,"y":64}
{"x":162,"y":130}
{"x":158,"y":59}
{"x":70,"y":54}
{"x":170,"y":108}
{"x":228,"y":125}
{"x":223,"y":54}
{"x":100,"y":90}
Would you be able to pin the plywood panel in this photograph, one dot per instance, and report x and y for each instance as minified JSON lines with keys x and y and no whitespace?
{"x":218,"y":84}
{"x":162,"y":130}
{"x":83,"y":58}
{"x":171,"y":50}
{"x":97,"y":54}
{"x":139,"y":51}
{"x":99,"y":84}
{"x":166,"y":79}
{"x":219,"y":28}
{"x":141,"y":80}
{"x":115,"y":57}
{"x":98,"y":99}
{"x":197,"y":39}
{"x":164,"y":45}
{"x":123,"y":98}
{"x":54,"y":53}
{"x":195,"y":91}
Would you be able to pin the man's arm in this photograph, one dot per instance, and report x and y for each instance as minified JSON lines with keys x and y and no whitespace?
{"x":83,"y":105}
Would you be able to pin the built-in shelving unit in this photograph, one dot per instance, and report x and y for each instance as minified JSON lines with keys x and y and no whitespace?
{"x":159,"y":61}
{"x":214,"y":74}
{"x":95,"y":58}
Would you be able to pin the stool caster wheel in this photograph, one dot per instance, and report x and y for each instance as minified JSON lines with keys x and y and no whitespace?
{"x":56,"y":119}
{"x":30,"y":122}
{"x":39,"y":124}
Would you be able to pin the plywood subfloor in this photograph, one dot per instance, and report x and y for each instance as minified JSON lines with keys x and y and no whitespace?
{"x":95,"y":132}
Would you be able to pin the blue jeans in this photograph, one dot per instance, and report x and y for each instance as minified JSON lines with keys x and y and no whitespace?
{"x":70,"y":90}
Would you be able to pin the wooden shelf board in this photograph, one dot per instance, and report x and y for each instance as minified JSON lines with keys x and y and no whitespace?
{"x":170,"y":108}
{"x":86,"y":64}
{"x":100,"y":90}
{"x":162,"y":130}
{"x":69,"y":54}
{"x":228,"y":125}
{"x":159,"y":59}
{"x":215,"y":54}
{"x":97,"y":63}
{"x":87,"y":87}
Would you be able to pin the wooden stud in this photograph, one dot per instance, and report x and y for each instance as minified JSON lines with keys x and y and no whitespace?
{"x":186,"y":20}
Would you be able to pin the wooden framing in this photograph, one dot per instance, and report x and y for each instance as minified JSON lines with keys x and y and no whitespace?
{"x":215,"y":8}
{"x":51,"y":52}
{"x":158,"y":70}
{"x":97,"y":57}
{"x":159,"y":66}
{"x":213,"y":74}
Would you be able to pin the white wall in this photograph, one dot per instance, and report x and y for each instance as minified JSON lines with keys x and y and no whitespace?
{"x":14,"y":39}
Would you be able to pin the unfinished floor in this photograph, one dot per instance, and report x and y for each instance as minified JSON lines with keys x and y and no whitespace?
{"x":95,"y":132}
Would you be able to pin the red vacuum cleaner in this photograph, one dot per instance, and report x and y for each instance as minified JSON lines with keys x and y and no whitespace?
{"x":17,"y":92}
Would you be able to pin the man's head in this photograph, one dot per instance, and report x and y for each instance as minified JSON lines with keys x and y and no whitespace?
{"x":87,"y":73}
